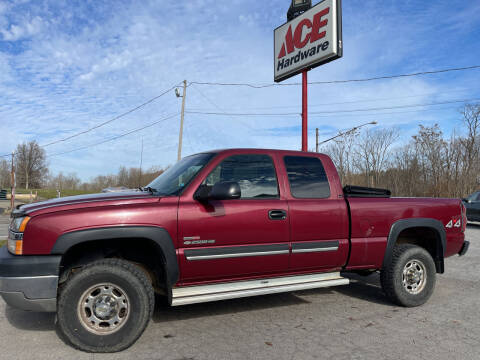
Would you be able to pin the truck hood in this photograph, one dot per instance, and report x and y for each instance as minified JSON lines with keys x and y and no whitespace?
{"x":81,"y":201}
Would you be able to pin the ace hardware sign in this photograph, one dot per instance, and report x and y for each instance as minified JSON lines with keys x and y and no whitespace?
{"x":309,"y":40}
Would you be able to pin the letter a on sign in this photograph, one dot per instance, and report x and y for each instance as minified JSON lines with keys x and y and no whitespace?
{"x":315,"y":27}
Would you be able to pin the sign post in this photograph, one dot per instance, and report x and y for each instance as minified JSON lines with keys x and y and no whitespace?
{"x":305,"y":110}
{"x":311,"y":39}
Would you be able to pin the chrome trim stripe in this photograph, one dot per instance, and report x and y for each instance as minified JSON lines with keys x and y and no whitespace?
{"x":236,"y":251}
{"x":315,"y":246}
{"x":298,"y":251}
{"x":235,"y":255}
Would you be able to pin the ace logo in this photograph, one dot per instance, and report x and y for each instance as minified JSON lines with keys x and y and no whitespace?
{"x":294,"y":40}
{"x":309,"y":40}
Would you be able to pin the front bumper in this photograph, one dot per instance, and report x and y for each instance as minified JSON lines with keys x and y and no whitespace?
{"x":29,"y":282}
{"x":464,"y":248}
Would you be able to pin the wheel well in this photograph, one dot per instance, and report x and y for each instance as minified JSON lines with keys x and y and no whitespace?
{"x":427,"y":238}
{"x":144,"y":253}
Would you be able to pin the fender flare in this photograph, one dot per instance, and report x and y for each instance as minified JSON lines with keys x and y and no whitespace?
{"x":158,"y":235}
{"x":403,"y":224}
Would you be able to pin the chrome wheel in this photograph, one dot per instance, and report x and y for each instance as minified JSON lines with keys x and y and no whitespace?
{"x":414,"y":276}
{"x":103,"y":309}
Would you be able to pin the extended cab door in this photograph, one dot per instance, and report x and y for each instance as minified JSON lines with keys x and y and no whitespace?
{"x":222,"y":239}
{"x":318,"y":213}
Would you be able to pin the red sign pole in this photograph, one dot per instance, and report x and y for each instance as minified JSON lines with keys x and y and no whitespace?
{"x":304,"y":111}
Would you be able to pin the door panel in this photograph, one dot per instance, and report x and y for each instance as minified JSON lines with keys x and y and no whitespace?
{"x":223,"y":239}
{"x":231,"y":238}
{"x":318,"y":217}
{"x":319,"y":233}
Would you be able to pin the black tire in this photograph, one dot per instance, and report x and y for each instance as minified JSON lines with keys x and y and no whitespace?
{"x":407,"y":290}
{"x":130,"y":289}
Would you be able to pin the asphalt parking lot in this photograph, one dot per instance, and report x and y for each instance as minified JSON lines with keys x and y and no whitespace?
{"x":350,"y":322}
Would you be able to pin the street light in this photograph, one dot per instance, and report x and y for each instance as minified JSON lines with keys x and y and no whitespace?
{"x":347,"y":132}
{"x":297,"y":7}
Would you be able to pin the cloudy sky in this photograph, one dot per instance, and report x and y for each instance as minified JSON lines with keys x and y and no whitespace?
{"x":67,"y":66}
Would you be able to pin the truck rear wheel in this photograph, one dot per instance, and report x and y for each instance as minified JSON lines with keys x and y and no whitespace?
{"x":409,"y":279}
{"x":105,"y":306}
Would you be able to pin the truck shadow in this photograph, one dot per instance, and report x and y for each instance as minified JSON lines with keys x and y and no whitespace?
{"x":164,"y":313}
{"x":364,"y":288}
{"x":27,"y":320}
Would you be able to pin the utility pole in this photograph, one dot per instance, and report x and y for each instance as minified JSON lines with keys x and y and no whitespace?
{"x":181,"y":118}
{"x":316,"y":141}
{"x":13,"y":181}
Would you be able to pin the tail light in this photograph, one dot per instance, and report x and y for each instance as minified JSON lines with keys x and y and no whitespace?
{"x":464,"y":217}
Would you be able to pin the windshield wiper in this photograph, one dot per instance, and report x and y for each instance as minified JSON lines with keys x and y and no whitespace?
{"x":148,"y":188}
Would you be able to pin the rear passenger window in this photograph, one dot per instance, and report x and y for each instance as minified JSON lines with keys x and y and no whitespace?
{"x":307,"y":177}
{"x":254,"y":173}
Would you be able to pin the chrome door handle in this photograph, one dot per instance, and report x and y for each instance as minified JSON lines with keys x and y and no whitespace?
{"x":277,"y":214}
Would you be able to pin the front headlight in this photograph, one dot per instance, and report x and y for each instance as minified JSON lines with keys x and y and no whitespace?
{"x":15,"y":235}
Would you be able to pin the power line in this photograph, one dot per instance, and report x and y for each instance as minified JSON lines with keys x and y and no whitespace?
{"x":384,"y":113}
{"x":395,"y":107}
{"x":333,"y":111}
{"x":214,"y":104}
{"x":349,"y":102}
{"x":261,"y":86}
{"x":116,"y":137}
{"x":106,"y":122}
{"x":113,"y":119}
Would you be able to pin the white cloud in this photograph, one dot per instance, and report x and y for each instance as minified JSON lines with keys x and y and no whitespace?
{"x":27,"y":29}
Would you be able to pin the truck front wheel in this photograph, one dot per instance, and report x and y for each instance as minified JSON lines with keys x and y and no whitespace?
{"x":105,"y":306}
{"x":409,"y":279}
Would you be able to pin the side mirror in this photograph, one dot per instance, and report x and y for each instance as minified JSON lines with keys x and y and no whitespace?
{"x":202,"y":193}
{"x":229,"y":190}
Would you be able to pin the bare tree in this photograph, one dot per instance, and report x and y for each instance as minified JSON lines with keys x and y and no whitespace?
{"x":31,"y":164}
{"x":4,"y":174}
{"x":64,"y":182}
{"x":371,"y":153}
{"x":340,"y":150}
{"x":431,"y":152}
{"x":122,"y":177}
{"x":471,"y":145}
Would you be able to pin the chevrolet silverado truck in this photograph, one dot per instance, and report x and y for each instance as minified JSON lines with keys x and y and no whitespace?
{"x":218,"y":225}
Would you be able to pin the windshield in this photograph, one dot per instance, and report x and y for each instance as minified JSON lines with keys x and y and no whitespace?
{"x":176,"y":178}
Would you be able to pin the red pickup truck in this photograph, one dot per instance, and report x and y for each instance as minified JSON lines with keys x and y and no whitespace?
{"x":219,"y":225}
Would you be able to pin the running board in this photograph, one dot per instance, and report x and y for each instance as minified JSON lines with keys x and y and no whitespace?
{"x":231,"y":290}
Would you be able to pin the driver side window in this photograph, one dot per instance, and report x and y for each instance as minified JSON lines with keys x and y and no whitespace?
{"x":254,"y":173}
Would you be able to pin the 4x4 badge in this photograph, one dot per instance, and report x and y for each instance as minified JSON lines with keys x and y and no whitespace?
{"x":454,"y":223}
